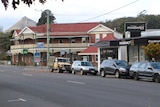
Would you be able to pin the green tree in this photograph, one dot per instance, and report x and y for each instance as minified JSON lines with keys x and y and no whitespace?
{"x":17,"y":2}
{"x":43,"y":19}
{"x":152,"y":50}
{"x":5,"y":44}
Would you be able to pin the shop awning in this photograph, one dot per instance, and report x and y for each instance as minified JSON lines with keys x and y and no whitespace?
{"x":92,"y":50}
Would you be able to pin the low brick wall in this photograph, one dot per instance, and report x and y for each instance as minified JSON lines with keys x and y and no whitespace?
{"x":4,"y":62}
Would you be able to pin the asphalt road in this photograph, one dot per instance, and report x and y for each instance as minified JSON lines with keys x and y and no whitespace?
{"x":30,"y":87}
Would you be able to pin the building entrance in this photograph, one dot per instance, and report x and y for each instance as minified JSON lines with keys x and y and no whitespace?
{"x":108,"y":53}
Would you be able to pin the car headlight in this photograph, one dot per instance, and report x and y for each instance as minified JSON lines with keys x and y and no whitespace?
{"x":61,"y":65}
{"x":122,"y":69}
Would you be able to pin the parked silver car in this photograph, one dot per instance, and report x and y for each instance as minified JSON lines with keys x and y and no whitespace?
{"x":149,"y":70}
{"x":83,"y":67}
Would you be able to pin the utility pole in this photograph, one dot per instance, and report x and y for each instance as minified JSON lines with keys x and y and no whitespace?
{"x":48,"y":38}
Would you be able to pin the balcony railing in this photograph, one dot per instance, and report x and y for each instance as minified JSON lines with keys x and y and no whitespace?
{"x":57,"y":45}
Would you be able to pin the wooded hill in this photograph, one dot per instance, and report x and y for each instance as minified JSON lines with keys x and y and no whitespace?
{"x":152,"y":21}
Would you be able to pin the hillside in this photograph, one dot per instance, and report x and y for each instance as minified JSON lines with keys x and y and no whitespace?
{"x":22,"y":23}
{"x":152,"y":21}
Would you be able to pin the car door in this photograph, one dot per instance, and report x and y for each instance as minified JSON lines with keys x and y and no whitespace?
{"x":76,"y":66}
{"x":142,"y":69}
{"x":112,"y":67}
{"x":149,"y":69}
{"x":134,"y":68}
{"x":106,"y":65}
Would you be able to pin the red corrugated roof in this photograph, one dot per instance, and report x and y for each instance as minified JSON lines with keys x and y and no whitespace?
{"x":92,"y":50}
{"x":109,"y":36}
{"x":73,"y":27}
{"x":38,"y":29}
{"x":67,"y":27}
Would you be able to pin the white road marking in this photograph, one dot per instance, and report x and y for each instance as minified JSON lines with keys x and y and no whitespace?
{"x":15,"y":100}
{"x":27,"y":74}
{"x":21,"y":99}
{"x":76,"y":82}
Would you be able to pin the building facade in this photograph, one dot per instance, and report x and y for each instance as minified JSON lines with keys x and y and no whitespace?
{"x":129,"y":49}
{"x":65,"y":40}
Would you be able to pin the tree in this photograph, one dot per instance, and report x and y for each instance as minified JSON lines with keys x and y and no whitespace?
{"x":152,"y":50}
{"x":5,"y":44}
{"x":43,"y":18}
{"x":17,"y":2}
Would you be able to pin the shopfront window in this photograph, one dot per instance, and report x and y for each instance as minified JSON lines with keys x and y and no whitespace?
{"x":107,"y":53}
{"x":136,"y":53}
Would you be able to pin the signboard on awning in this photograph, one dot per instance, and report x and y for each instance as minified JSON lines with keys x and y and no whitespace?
{"x":40,"y":45}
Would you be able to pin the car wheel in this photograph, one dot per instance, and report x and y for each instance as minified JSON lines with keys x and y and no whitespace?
{"x":103,"y":73}
{"x":82,"y":72}
{"x":60,"y":70}
{"x":73,"y":72}
{"x":157,"y":78}
{"x":69,"y":71}
{"x":117,"y":74}
{"x":95,"y":73}
{"x":136,"y":76}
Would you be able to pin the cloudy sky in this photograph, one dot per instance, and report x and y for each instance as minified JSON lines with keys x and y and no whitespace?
{"x":72,"y":11}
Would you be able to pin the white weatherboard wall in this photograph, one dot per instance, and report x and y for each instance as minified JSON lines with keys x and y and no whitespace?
{"x":122,"y":53}
{"x":151,"y":32}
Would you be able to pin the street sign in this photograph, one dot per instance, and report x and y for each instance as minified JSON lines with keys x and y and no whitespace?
{"x":40,"y":45}
{"x":37,"y":57}
{"x":25,"y":51}
{"x":37,"y":54}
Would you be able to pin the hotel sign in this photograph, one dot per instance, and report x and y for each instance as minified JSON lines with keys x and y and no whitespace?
{"x":40,"y":45}
{"x":130,"y":42}
{"x":135,"y":26}
{"x":153,"y":41}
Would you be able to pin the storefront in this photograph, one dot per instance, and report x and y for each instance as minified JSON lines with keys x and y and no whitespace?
{"x":129,"y":49}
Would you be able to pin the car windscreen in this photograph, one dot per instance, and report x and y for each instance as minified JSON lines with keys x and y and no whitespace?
{"x":86,"y":64}
{"x":62,"y":60}
{"x":155,"y":65}
{"x":121,"y":63}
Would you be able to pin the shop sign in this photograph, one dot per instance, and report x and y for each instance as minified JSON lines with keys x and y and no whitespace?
{"x":135,"y":26}
{"x":124,"y":42}
{"x":131,"y":42}
{"x":153,"y":41}
{"x":40,"y":45}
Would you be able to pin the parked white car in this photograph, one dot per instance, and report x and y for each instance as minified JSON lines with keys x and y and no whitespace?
{"x":84,"y":67}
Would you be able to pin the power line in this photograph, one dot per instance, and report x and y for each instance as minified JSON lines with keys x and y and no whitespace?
{"x":110,"y":11}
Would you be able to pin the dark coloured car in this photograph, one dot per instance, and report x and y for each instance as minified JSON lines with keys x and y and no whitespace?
{"x":148,"y":70}
{"x":83,"y":67}
{"x":114,"y":67}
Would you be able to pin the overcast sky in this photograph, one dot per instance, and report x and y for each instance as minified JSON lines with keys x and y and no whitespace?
{"x":72,"y":11}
